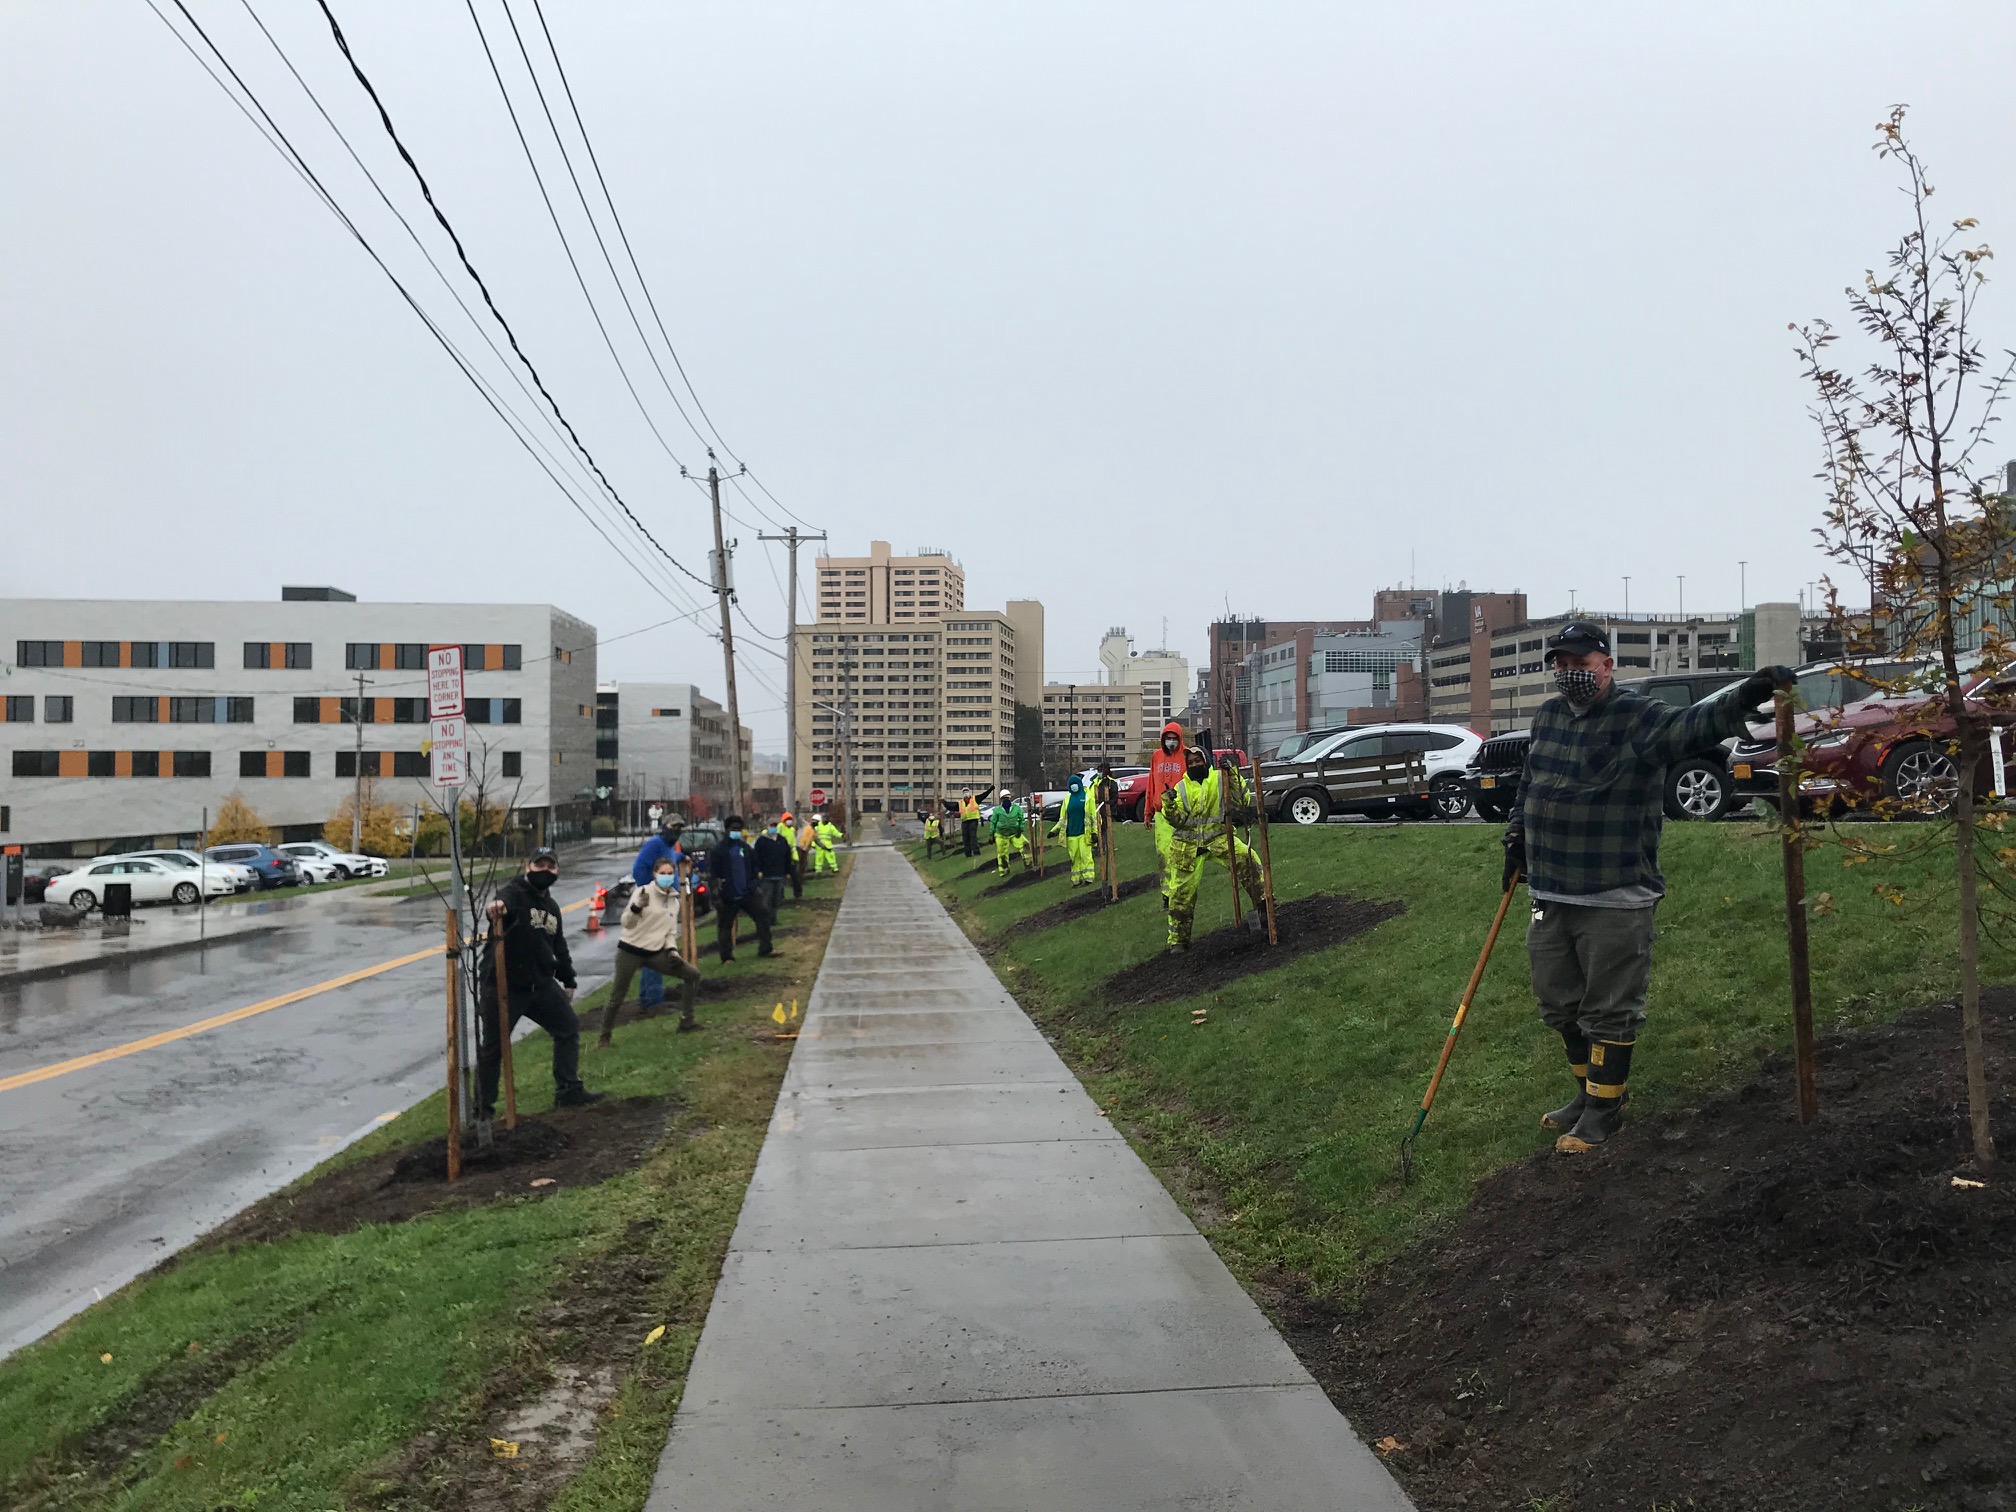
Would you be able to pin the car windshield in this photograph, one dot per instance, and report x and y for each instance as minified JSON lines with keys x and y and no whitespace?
{"x":1832,"y":687}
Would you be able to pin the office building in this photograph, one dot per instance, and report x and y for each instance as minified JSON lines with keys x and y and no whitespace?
{"x":881,"y":589}
{"x":124,"y":720}
{"x":1162,"y":676}
{"x":1320,"y":679}
{"x":1087,"y":723}
{"x":665,"y":743}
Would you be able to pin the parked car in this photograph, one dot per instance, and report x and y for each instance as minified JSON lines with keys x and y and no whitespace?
{"x":240,"y":878}
{"x":270,"y":867}
{"x":1697,"y":786}
{"x":37,"y":876}
{"x":347,"y":863}
{"x":316,"y":870}
{"x":151,"y":881}
{"x":1885,"y":751}
{"x":1302,"y":740}
{"x":1329,"y":777}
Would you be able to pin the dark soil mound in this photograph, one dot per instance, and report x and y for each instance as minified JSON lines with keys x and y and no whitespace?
{"x":1225,"y":955}
{"x":572,"y":1146}
{"x":1723,"y":1310}
{"x":974,"y":871}
{"x":1085,"y":901}
{"x":1056,"y":871}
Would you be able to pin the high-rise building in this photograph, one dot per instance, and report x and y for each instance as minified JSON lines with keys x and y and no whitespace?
{"x":895,"y":715}
{"x":1087,"y":723}
{"x":126,"y":719}
{"x":881,"y":589}
{"x":664,"y":743}
{"x":1162,"y":676}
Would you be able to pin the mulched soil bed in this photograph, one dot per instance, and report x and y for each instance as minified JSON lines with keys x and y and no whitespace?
{"x":1723,"y":1310}
{"x":573,"y":1146}
{"x":1084,"y":901}
{"x":1059,"y":870}
{"x":1225,"y":955}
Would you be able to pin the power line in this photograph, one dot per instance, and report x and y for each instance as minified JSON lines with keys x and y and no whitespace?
{"x":280,"y":142}
{"x":630,"y":253}
{"x":461,"y":252}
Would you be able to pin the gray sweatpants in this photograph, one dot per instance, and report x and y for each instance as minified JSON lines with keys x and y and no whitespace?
{"x":1591,"y":967}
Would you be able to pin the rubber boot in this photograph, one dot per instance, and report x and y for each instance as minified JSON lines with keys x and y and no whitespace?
{"x":1603,"y":1113}
{"x":1562,"y":1119}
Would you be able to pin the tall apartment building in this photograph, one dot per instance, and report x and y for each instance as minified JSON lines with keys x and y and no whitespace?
{"x":125,"y":719}
{"x":1162,"y":676}
{"x":881,"y":589}
{"x":665,"y":743}
{"x":1087,"y":723}
{"x":892,"y":716}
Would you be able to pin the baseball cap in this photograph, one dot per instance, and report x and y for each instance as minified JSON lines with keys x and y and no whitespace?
{"x":544,"y":853}
{"x":1580,"y":637}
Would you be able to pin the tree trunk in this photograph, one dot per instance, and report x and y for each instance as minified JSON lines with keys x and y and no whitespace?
{"x":1970,"y":949}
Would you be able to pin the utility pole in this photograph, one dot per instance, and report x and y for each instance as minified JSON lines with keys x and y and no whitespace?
{"x":724,"y":590}
{"x":357,"y":799}
{"x":791,"y":536}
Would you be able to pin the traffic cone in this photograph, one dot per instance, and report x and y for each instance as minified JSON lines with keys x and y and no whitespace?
{"x":595,"y":906}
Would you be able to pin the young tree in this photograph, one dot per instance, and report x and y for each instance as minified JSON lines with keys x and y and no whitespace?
{"x":1910,"y":508}
{"x":237,"y":823}
{"x":384,"y":828}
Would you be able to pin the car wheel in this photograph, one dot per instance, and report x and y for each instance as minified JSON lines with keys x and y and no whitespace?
{"x":1923,"y":778}
{"x":1493,"y":809}
{"x":1450,"y":797}
{"x":83,"y":900}
{"x":1697,"y":790}
{"x":185,"y":892}
{"x":1309,"y":806}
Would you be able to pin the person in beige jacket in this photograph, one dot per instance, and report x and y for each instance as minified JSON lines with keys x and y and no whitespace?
{"x":651,"y":938}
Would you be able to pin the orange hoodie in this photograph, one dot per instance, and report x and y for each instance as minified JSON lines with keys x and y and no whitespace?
{"x":1164,"y":770}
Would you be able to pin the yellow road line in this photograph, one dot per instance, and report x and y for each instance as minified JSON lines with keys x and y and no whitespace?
{"x":218,"y":1021}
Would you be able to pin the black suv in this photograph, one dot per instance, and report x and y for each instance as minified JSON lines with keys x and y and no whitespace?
{"x":1697,"y":786}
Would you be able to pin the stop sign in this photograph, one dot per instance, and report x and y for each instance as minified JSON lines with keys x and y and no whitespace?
{"x":818,"y":796}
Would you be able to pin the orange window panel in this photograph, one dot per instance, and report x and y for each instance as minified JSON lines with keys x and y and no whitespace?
{"x":73,"y":653}
{"x":161,"y":714}
{"x":388,"y":656}
{"x":125,"y":653}
{"x":493,"y":656}
{"x":122,"y":763}
{"x":381,"y":711}
{"x":72,"y":763}
{"x":276,"y":654}
{"x":167,"y":766}
{"x":331,"y":714}
{"x":273,"y":760}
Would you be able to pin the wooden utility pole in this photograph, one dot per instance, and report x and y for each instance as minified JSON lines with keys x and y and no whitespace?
{"x":791,"y":536}
{"x":724,"y":591}
{"x":1266,"y":851}
{"x":357,"y":797}
{"x":1793,"y":839}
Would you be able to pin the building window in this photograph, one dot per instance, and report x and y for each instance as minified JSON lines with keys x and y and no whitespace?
{"x":361,"y":656}
{"x":294,"y":763}
{"x":198,"y":654}
{"x":511,"y":763}
{"x":101,"y":763}
{"x":38,"y":654}
{"x":409,"y":656}
{"x":409,"y":711}
{"x":258,"y":655}
{"x":473,"y":661}
{"x":408,"y":764}
{"x":146,"y":763}
{"x":35,"y":763}
{"x":346,"y":763}
{"x":192,"y":710}
{"x":605,"y":750}
{"x":192,"y":763}
{"x":20,"y":708}
{"x":59,"y":708}
{"x":251,"y":763}
{"x":307,"y":711}
{"x":135,"y":710}
{"x":101,"y":653}
{"x":494,"y":710}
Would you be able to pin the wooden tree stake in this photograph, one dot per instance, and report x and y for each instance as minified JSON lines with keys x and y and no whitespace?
{"x":1266,"y":853}
{"x":454,"y":1045}
{"x":1792,"y":838}
{"x":504,"y":1031}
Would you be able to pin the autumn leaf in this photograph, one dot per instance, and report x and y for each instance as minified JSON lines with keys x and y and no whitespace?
{"x":1823,"y":904}
{"x":655,"y":1335}
{"x":504,"y":1448}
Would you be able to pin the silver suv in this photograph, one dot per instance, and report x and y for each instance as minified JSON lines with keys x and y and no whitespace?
{"x":1314,"y":783}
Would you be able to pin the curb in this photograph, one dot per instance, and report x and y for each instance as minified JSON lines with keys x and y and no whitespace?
{"x":143,"y":953}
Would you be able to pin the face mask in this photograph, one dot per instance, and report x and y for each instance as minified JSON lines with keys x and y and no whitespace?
{"x":1197,"y":771}
{"x":1577,"y":684}
{"x":541,"y":880}
{"x":1169,"y":745}
{"x":666,"y":880}
{"x":735,"y":834}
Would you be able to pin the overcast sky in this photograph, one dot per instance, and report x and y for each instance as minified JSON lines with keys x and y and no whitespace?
{"x":1139,"y":309}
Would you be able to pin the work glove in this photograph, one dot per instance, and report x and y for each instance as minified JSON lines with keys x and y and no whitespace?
{"x":1754,"y":692}
{"x":1515,"y":858}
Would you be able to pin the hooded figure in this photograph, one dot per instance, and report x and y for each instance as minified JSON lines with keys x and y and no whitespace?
{"x":1165,"y":770}
{"x":1074,"y":823}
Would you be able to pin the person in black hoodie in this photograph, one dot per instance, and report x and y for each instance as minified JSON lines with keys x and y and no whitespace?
{"x":737,"y":888}
{"x":776,"y":860}
{"x":538,"y":980}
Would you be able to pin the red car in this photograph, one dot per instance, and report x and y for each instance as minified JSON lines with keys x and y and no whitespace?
{"x":1872,"y":749}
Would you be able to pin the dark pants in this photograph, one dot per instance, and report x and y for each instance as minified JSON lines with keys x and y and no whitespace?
{"x":1591,"y":967}
{"x":665,"y":963}
{"x":969,"y":835}
{"x":651,"y":992}
{"x":798,"y":876}
{"x":545,"y":1003}
{"x":773,"y":895}
{"x":725,"y":910}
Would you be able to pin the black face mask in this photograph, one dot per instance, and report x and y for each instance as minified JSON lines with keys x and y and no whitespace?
{"x":542,"y":880}
{"x":1577,"y":685}
{"x":1198,"y":772}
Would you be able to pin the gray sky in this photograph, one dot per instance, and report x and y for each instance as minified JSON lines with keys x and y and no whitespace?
{"x":1140,"y":309}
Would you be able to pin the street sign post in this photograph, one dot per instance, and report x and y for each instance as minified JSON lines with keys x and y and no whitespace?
{"x":818,"y":797}
{"x":444,"y":682}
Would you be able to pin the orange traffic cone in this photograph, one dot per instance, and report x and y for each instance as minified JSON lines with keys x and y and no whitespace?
{"x":595,"y":907}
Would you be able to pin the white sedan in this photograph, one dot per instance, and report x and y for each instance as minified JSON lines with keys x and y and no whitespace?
{"x":347,"y":863}
{"x":241,"y":878}
{"x":151,"y":881}
{"x":315,"y":870}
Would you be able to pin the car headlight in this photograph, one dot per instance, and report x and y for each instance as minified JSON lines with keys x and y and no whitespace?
{"x":1830,"y":740}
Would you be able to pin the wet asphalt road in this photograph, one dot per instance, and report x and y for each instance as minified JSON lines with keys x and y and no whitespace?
{"x":106,"y":1169}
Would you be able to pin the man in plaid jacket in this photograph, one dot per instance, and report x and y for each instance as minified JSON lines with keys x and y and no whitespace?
{"x":1584,"y":834}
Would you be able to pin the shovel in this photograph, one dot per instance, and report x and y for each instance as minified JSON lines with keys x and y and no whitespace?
{"x":1455,"y":1028}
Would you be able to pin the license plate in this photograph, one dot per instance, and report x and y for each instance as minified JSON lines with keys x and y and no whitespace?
{"x":1487,"y":782}
{"x":1742,"y":770}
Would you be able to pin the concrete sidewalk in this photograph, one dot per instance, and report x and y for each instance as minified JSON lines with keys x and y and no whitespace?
{"x":954,"y":1286}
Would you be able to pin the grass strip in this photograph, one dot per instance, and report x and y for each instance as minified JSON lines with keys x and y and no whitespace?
{"x":372,"y":1368}
{"x":1278,"y":1117}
